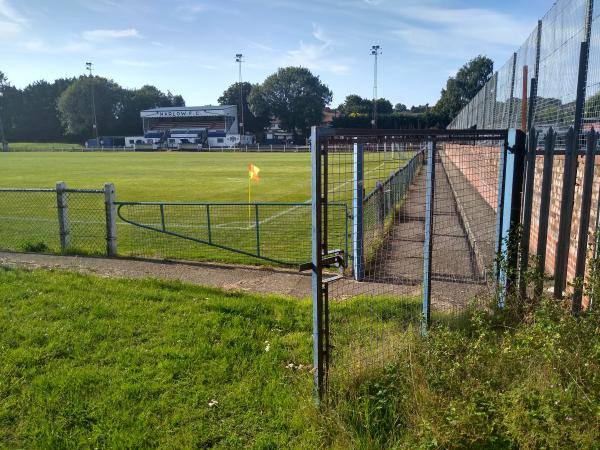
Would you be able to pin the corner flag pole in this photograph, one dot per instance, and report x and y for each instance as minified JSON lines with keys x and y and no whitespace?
{"x":249,"y":200}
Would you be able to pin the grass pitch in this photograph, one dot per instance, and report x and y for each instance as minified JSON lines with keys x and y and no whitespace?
{"x":29,"y":221}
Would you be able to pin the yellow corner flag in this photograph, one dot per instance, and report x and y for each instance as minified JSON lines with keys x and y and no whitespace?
{"x":253,"y":172}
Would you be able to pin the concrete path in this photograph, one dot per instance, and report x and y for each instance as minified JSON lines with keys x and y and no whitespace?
{"x":229,"y":277}
{"x":461,"y":242}
{"x":261,"y":280}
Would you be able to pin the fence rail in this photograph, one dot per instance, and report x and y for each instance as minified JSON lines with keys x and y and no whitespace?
{"x":277,"y":233}
{"x":93,"y":222}
{"x":259,"y":148}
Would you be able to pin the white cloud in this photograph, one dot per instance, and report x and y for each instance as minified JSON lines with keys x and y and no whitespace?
{"x":457,"y":33}
{"x":316,"y":56}
{"x":10,"y":14}
{"x":481,"y":25}
{"x":188,"y":12}
{"x":105,"y":35}
{"x":12,"y":23}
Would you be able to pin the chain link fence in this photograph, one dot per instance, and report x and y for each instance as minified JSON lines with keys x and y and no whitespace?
{"x":92,"y":222}
{"x":552,"y":55}
{"x":271,"y":233}
{"x":423,"y":239}
{"x":552,"y":85}
{"x":53,"y":220}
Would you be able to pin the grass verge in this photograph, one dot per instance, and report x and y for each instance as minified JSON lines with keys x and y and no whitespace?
{"x":87,"y":362}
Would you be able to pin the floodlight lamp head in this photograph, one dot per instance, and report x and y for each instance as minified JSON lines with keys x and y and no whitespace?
{"x":238,"y":57}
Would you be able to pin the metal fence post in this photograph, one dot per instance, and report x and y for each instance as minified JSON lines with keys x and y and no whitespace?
{"x":511,"y":102}
{"x":570,"y":172}
{"x":545,"y":195}
{"x":511,"y":214}
{"x":357,"y":213}
{"x":500,"y":211}
{"x":257,"y":222}
{"x":428,"y":243}
{"x":111,"y":219}
{"x":380,"y":206}
{"x":317,"y":277}
{"x":527,"y":209}
{"x":566,"y":214}
{"x":62,"y":205}
{"x":584,"y":221}
{"x":208,"y":223}
{"x":161,"y":207}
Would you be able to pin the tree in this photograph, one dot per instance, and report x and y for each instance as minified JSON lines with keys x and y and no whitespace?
{"x":133,"y":101}
{"x":384,"y":106}
{"x":294,"y":95}
{"x":461,"y":88}
{"x":400,"y":107}
{"x":3,"y":81}
{"x":175,"y":100}
{"x":11,"y":106}
{"x":420,"y":108}
{"x":355,"y":105}
{"x":39,"y":119}
{"x":231,"y":96}
{"x":75,"y":106}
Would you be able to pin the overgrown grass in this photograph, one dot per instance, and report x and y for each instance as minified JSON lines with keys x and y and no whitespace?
{"x":492,"y":384}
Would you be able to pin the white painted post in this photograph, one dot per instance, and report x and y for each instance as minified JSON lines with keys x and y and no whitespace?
{"x":111,"y":219}
{"x":63,"y":215}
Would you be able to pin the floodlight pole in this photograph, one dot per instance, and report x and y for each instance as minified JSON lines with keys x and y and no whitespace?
{"x":88,"y":66}
{"x":239,"y":60}
{"x":375,"y":51}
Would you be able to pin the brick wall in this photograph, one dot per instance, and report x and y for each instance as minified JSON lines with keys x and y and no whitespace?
{"x":479,"y":164}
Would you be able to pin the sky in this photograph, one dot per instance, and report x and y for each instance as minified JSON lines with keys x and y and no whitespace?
{"x":189,"y":46}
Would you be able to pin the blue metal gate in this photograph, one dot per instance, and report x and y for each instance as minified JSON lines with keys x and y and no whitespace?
{"x":430,"y":211}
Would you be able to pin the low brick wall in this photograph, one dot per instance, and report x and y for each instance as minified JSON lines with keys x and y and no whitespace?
{"x":480,"y":164}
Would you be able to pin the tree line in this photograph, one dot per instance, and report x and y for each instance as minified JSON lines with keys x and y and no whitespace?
{"x":357,"y":112}
{"x":297,"y":98}
{"x":61,"y":110}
